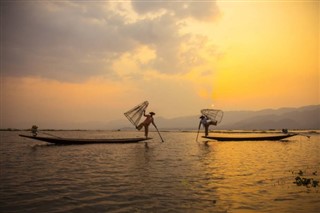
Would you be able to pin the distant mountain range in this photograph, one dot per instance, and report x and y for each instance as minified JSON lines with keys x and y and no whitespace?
{"x":307,"y":117}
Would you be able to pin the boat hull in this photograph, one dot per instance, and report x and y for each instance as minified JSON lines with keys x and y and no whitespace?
{"x":67,"y":141}
{"x":250,"y":138}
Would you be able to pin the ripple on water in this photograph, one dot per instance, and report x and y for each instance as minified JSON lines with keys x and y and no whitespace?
{"x":179,"y":175}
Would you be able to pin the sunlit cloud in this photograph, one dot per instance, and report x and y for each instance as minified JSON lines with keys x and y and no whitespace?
{"x":106,"y":56}
{"x":74,"y":41}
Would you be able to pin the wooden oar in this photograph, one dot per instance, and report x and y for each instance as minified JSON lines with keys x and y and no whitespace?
{"x":50,"y":135}
{"x":308,"y":136}
{"x":198,"y":131}
{"x":159,"y":134}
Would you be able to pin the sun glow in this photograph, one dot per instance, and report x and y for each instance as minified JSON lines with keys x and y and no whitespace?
{"x":85,"y":62}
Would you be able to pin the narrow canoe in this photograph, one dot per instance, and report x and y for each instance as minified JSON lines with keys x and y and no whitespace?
{"x":66,"y":141}
{"x":250,"y":138}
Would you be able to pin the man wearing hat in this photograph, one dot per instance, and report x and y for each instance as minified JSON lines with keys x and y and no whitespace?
{"x":147,"y":122}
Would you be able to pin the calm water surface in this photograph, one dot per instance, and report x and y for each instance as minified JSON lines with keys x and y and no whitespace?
{"x":179,"y":175}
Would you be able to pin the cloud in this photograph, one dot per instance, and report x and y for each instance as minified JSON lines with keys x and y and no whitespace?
{"x":60,"y":41}
{"x":74,"y":41}
{"x":181,"y":9}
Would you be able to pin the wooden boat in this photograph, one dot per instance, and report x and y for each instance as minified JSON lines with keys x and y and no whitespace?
{"x":250,"y":138}
{"x":67,"y":141}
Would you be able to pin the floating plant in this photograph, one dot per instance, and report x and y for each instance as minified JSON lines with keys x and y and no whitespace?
{"x":307,"y":182}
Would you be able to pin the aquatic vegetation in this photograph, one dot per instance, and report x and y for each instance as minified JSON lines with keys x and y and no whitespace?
{"x":304,"y":181}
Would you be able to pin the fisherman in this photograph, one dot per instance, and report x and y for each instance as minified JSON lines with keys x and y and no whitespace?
{"x":34,"y":130}
{"x":206,"y":122}
{"x":146,"y":123}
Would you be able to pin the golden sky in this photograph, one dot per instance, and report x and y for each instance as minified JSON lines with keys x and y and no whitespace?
{"x":82,"y":62}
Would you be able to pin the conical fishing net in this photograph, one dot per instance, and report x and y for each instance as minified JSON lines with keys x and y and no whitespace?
{"x":213,"y":114}
{"x":134,"y":115}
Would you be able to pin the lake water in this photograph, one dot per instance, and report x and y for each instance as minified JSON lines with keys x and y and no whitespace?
{"x":179,"y":175}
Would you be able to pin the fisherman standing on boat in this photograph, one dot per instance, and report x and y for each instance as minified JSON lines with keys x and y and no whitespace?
{"x":147,"y":122}
{"x":206,"y":122}
{"x":34,"y":130}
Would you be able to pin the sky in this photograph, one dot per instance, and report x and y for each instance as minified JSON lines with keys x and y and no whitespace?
{"x":90,"y":61}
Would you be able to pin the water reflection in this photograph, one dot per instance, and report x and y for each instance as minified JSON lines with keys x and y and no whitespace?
{"x":179,"y":175}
